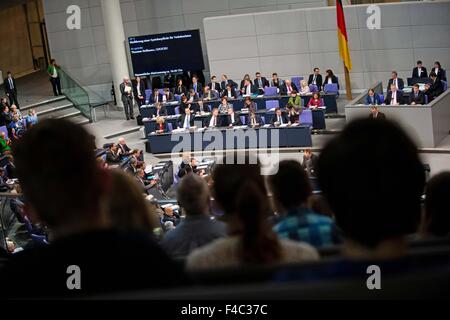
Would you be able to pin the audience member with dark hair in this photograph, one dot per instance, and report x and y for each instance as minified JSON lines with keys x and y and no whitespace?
{"x":64,"y":191}
{"x":376,"y":205}
{"x":436,"y":87}
{"x":437,"y":206}
{"x":198,"y":228}
{"x":239,"y":189}
{"x":291,"y":190}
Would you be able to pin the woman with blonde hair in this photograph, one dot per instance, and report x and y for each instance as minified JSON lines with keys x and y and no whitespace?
{"x":304,"y":88}
{"x":160,"y":125}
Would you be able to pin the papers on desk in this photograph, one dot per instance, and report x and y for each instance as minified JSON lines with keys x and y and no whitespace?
{"x":179,"y":130}
{"x":284,"y":125}
{"x":240,"y":127}
{"x":203,"y":166}
{"x":148,"y":169}
{"x":266,"y":126}
{"x":295,"y":124}
{"x":244,"y":110}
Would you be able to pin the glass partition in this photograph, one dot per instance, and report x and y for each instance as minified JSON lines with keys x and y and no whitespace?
{"x":76,"y":94}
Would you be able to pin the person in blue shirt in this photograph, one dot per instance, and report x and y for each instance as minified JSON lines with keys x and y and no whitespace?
{"x":291,"y":189}
{"x":373,"y":98}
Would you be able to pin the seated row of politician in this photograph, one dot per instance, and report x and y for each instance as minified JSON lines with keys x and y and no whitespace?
{"x":214,"y":120}
{"x":228,"y":88}
{"x":433,"y":87}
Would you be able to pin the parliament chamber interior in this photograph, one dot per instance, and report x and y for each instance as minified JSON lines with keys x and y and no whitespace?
{"x":237,"y":150}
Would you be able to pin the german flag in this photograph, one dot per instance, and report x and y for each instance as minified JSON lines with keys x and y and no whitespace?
{"x":344,"y":52}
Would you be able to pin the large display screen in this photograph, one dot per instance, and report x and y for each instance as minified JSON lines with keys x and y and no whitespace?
{"x":167,"y":52}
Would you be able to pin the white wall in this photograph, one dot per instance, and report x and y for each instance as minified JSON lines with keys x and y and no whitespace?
{"x":293,"y":42}
{"x":84,"y":54}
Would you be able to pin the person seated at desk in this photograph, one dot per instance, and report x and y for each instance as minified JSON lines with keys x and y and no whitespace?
{"x":287,"y":87}
{"x":142,"y":180}
{"x":372,"y":98}
{"x":416,"y":97}
{"x":315,"y":78}
{"x":295,"y":100}
{"x":184,"y":104}
{"x":187,"y":119}
{"x":315,"y":101}
{"x":225,"y":82}
{"x":196,"y":86}
{"x":394,"y":97}
{"x":201,"y":107}
{"x":276,"y":82}
{"x":112,"y":155}
{"x":304,"y":88}
{"x":180,"y":89}
{"x":396,"y":81}
{"x":160,"y":110}
{"x":254,"y":120}
{"x":420,"y":71}
{"x":330,"y":78}
{"x":375,"y":114}
{"x":440,"y":73}
{"x":293,"y":114}
{"x":244,"y":81}
{"x":156,"y":97}
{"x":310,"y":162}
{"x":214,"y":85}
{"x":436,"y":87}
{"x":232,"y":118}
{"x":209,"y":94}
{"x":224,"y":106}
{"x":260,"y":82}
{"x":279,"y":118}
{"x":160,"y":125}
{"x":193,"y":96}
{"x":167,"y":96}
{"x":248,"y":89}
{"x":213,"y":121}
{"x":249,"y":104}
{"x":229,"y":92}
{"x":122,"y":148}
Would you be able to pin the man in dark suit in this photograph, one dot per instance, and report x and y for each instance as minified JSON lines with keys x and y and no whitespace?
{"x":395,"y":80}
{"x":214,"y":85}
{"x":394,"y":96}
{"x":86,"y":255}
{"x":232,"y":118}
{"x":279,"y":118}
{"x":167,"y":96}
{"x":112,"y":155}
{"x":229,"y":92}
{"x":416,"y":97}
{"x":139,"y":91}
{"x":126,"y":89}
{"x":436,"y":87}
{"x":375,"y":114}
{"x":196,"y":86}
{"x":169,"y":80}
{"x":11,"y":89}
{"x":187,"y":119}
{"x":156,"y":97}
{"x":123,"y":149}
{"x":260,"y":82}
{"x":160,"y":110}
{"x":248,"y":88}
{"x":225,"y":81}
{"x":310,"y":162}
{"x":287,"y":87}
{"x":420,"y":71}
{"x":315,"y":78}
{"x":213,"y":121}
{"x":143,"y":182}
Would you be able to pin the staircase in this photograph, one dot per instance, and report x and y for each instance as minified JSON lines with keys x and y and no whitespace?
{"x":56,"y":108}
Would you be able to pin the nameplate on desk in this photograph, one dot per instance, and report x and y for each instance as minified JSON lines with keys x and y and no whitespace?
{"x":266,"y":126}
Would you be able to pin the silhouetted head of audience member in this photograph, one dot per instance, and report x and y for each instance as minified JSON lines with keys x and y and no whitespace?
{"x":290,"y":185}
{"x":193,"y":195}
{"x":319,"y":204}
{"x":373,"y":180}
{"x":437,"y":206}
{"x":240,"y":191}
{"x":61,"y":181}
{"x":126,"y":207}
